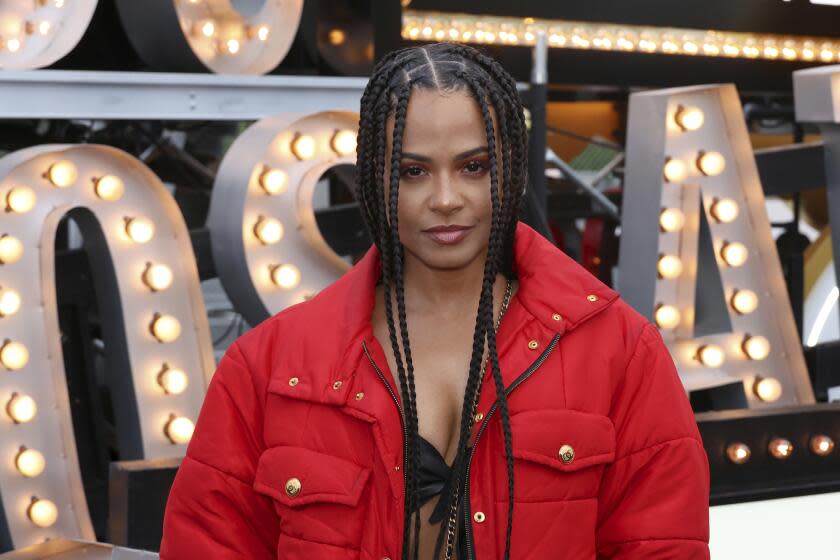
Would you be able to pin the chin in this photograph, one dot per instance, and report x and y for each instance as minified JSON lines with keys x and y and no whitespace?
{"x":446,"y":258}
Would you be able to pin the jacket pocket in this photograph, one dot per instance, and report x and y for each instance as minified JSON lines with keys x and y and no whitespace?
{"x":560,"y":454}
{"x":318,"y":496}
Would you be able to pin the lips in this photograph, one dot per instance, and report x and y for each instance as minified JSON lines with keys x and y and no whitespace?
{"x":448,"y":235}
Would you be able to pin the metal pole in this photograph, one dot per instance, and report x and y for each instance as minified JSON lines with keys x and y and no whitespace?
{"x":537,"y":205}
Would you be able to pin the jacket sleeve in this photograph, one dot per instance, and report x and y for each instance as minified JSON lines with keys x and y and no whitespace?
{"x":212,"y":510}
{"x":654,"y":498}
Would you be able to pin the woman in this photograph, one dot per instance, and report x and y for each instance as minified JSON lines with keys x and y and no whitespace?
{"x":316,"y":442}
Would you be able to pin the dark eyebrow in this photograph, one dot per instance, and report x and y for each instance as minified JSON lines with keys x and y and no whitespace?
{"x":462,"y":155}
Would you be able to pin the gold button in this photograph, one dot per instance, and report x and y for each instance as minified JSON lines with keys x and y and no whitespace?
{"x":592,"y":297}
{"x":479,"y":417}
{"x":556,"y":317}
{"x":292,"y":487}
{"x":293,"y":381}
{"x":337,"y":385}
{"x":396,"y":467}
{"x":479,"y":517}
{"x":533,"y":345}
{"x":567,"y":454}
{"x":360,"y":396}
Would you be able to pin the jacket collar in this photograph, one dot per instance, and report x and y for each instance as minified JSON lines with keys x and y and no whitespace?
{"x":550,"y":282}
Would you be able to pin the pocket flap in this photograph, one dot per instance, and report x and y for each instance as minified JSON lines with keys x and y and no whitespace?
{"x":319,"y":477}
{"x":304,"y":387}
{"x":539,"y":435}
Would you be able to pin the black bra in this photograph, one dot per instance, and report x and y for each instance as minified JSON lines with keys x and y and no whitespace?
{"x":433,"y":480}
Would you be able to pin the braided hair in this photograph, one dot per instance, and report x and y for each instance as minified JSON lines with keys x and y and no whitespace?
{"x":443,"y":67}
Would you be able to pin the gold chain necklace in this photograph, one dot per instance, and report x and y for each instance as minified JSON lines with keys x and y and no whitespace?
{"x":453,"y":510}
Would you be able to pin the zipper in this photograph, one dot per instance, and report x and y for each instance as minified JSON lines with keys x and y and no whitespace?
{"x":518,"y":381}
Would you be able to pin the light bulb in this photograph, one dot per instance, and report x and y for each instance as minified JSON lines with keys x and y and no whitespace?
{"x":44,"y":27}
{"x":667,"y":316}
{"x":780,"y":448}
{"x":30,"y":462}
{"x":711,"y":163}
{"x":689,"y":118}
{"x":711,"y":355}
{"x":14,"y":355}
{"x":738,"y":453}
{"x":11,"y":249}
{"x":671,"y":220}
{"x":337,"y":37}
{"x":744,"y":301}
{"x":821,"y":445}
{"x":62,"y":173}
{"x":268,"y":230}
{"x":274,"y":181}
{"x":109,"y":187}
{"x":768,"y":389}
{"x":287,"y":276}
{"x":21,"y":408}
{"x":165,"y":328}
{"x":669,"y":266}
{"x":261,"y":32}
{"x":734,"y":253}
{"x":20,"y":200}
{"x":9,"y":302}
{"x":756,"y":347}
{"x":724,"y":210}
{"x":12,"y":45}
{"x":343,"y":142}
{"x":675,"y":170}
{"x":230,"y":46}
{"x":42,"y":513}
{"x":172,"y":381}
{"x":157,"y":277}
{"x":205,"y":28}
{"x":303,"y":146}
{"x":179,"y":430}
{"x":140,"y":230}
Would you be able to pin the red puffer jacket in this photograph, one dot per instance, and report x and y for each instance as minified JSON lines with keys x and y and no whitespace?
{"x":298,"y":450}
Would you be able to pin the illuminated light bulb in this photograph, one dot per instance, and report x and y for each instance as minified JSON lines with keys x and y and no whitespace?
{"x":427,"y":32}
{"x":724,"y":210}
{"x":789,"y":50}
{"x":109,"y":187}
{"x":625,"y":44}
{"x":30,"y":462}
{"x":711,"y":355}
{"x":711,"y":163}
{"x":230,"y":46}
{"x":165,"y":328}
{"x":675,"y":170}
{"x":751,"y":51}
{"x":205,"y":28}
{"x":414,"y":32}
{"x":287,"y":276}
{"x":647,"y":45}
{"x":21,"y":408}
{"x":826,"y":53}
{"x":11,"y":249}
{"x":179,"y":430}
{"x":274,"y":181}
{"x":808,"y":52}
{"x":9,"y":302}
{"x":454,"y":34}
{"x":157,"y":277}
{"x":42,"y":513}
{"x":268,"y":230}
{"x":771,"y":51}
{"x":744,"y":301}
{"x":756,"y":347}
{"x":667,"y":316}
{"x":671,"y":219}
{"x":14,"y":355}
{"x":738,"y":453}
{"x":140,"y":230}
{"x":343,"y":142}
{"x":669,"y":46}
{"x":62,"y":173}
{"x":44,"y":27}
{"x":780,"y":448}
{"x":768,"y":389}
{"x":12,"y":45}
{"x":338,"y":36}
{"x":20,"y":200}
{"x":669,"y":266}
{"x":689,"y":118}
{"x":172,"y":381}
{"x":731,"y":50}
{"x":303,"y":146}
{"x":734,"y":253}
{"x":711,"y":49}
{"x":440,"y":34}
{"x":821,"y":445}
{"x":690,"y":47}
{"x":261,"y":32}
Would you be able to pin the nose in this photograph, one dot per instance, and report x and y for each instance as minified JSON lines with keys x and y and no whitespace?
{"x":445,"y":198}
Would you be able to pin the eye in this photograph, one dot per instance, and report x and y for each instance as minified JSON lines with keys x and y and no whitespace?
{"x":411,"y":171}
{"x":476,"y":166}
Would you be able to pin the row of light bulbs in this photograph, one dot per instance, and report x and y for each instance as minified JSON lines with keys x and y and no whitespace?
{"x":428,"y":26}
{"x":780,"y":448}
{"x":17,"y":29}
{"x":733,"y":253}
{"x":14,"y":355}
{"x":228,"y":33}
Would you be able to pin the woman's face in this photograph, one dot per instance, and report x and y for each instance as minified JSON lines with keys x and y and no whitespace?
{"x":444,"y":203}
